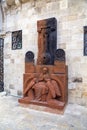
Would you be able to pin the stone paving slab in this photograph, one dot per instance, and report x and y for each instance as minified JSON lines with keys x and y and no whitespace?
{"x":13,"y":116}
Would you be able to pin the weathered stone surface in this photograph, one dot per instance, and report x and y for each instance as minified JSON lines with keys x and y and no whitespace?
{"x":10,"y":2}
{"x":25,"y":1}
{"x":19,"y":93}
{"x":84,"y":94}
{"x":71,"y":17}
{"x":63,"y":4}
{"x":18,"y":2}
{"x":77,"y":79}
{"x":26,"y":118}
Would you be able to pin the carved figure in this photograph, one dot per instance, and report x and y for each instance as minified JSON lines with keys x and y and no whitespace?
{"x":47,"y":39}
{"x":43,"y":88}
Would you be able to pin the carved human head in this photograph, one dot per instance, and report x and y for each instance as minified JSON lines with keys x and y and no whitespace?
{"x":45,"y":70}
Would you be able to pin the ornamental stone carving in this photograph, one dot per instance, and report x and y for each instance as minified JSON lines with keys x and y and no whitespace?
{"x":46,"y":82}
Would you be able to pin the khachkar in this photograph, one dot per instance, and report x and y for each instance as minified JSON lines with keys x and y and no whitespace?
{"x":46,"y":83}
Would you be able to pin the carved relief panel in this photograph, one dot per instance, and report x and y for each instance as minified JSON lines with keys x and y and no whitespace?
{"x":46,"y":82}
{"x":47,"y":40}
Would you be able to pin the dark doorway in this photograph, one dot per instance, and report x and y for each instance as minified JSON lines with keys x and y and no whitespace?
{"x":1,"y":65}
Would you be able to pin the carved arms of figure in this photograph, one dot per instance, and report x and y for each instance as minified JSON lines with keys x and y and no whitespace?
{"x":53,"y":88}
{"x":30,"y":85}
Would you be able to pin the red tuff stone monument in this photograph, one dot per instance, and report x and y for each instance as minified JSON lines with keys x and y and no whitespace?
{"x":45,"y":83}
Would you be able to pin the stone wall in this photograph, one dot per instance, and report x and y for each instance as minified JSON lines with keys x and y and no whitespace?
{"x":77,"y":62}
{"x":71,"y":17}
{"x":0,"y":19}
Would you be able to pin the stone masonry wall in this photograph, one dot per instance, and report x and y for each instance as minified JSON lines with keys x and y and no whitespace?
{"x":0,"y":19}
{"x":71,"y":17}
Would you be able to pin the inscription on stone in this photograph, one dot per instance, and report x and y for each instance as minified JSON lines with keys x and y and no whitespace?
{"x":17,"y":40}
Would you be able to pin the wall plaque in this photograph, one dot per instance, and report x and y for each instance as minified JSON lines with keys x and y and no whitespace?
{"x":85,"y":40}
{"x":17,"y":40}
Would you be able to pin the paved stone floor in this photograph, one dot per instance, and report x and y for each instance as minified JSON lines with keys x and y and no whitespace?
{"x":13,"y":116}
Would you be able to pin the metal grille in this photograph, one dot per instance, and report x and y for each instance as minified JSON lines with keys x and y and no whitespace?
{"x":17,"y":40}
{"x":1,"y":65}
{"x":85,"y":41}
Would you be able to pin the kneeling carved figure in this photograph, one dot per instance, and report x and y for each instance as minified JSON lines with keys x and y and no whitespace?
{"x":43,"y":88}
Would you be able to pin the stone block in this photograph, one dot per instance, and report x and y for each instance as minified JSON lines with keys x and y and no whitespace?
{"x":78,"y":94}
{"x":40,"y":3}
{"x":53,"y":6}
{"x":13,"y":92}
{"x":83,"y":101}
{"x":72,"y":17}
{"x":84,"y":69}
{"x":84,"y":94}
{"x":24,"y":1}
{"x":63,"y":4}
{"x":19,"y":93}
{"x":79,"y":101}
{"x":7,"y":56}
{"x":62,"y":45}
{"x":79,"y":87}
{"x":10,"y":2}
{"x":17,"y":61}
{"x":77,"y":59}
{"x":72,"y":86}
{"x":12,"y":61}
{"x":7,"y":61}
{"x":84,"y":79}
{"x":11,"y":86}
{"x":18,"y":2}
{"x":48,"y":1}
{"x":84,"y":87}
{"x":71,"y":99}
